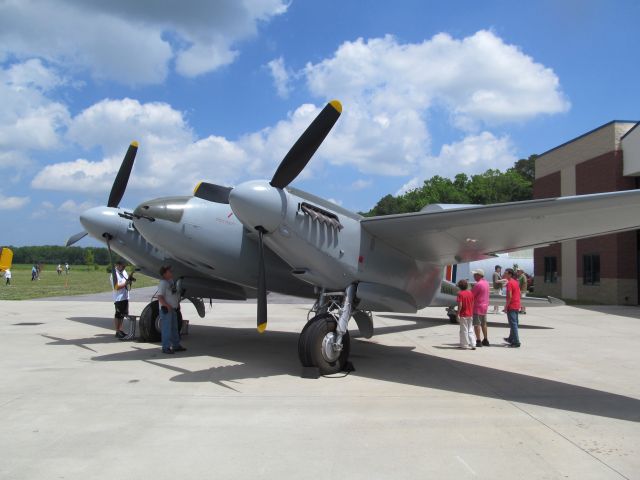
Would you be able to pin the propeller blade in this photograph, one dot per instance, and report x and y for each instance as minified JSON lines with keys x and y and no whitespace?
{"x":113,"y":267}
{"x":262,"y":285}
{"x":302,"y":151}
{"x":74,"y":238}
{"x":120,"y":183}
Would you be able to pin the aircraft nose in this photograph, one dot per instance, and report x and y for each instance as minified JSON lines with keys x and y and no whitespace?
{"x":257,"y":203}
{"x":100,"y":220}
{"x":168,"y":208}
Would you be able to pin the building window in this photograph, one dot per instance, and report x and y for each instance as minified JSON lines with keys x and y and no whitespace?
{"x":591,"y":269}
{"x":550,"y":269}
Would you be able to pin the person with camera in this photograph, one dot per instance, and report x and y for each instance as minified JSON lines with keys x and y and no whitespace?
{"x":169,"y":300}
{"x":121,"y":286}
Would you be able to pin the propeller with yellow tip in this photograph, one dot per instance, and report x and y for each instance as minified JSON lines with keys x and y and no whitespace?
{"x":118,"y":188}
{"x":290,"y":167}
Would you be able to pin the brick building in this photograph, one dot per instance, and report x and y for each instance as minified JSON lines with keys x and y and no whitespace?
{"x":602,"y":269}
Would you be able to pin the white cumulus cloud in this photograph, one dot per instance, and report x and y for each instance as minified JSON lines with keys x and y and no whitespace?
{"x":12,"y":203}
{"x":280,"y":76}
{"x":132,"y":42}
{"x":472,"y":155}
{"x":391,"y":89}
{"x":29,"y":119}
{"x":170,"y":154}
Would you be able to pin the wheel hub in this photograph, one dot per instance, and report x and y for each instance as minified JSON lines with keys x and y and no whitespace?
{"x":330,"y":349}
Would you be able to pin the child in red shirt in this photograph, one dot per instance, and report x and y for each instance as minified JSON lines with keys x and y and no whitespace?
{"x":465,"y":316}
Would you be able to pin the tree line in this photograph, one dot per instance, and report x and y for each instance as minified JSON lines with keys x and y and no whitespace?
{"x":492,"y":186}
{"x":54,"y":254}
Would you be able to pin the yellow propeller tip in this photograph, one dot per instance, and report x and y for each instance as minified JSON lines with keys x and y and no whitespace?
{"x":134,"y":144}
{"x":262,"y":327}
{"x":195,"y":190}
{"x":337,"y":105}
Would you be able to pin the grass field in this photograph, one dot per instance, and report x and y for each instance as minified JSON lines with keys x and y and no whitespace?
{"x":81,"y":280}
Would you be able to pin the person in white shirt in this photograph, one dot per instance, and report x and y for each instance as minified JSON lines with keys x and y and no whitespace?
{"x":7,"y":276}
{"x":121,"y":287}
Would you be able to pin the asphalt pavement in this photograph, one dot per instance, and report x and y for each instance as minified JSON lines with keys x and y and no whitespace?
{"x":79,"y":404}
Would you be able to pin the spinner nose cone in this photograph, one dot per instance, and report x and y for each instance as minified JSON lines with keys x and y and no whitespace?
{"x":258,"y":204}
{"x":100,"y":220}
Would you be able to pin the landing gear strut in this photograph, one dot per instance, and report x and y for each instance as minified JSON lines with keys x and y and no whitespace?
{"x":324,"y":341}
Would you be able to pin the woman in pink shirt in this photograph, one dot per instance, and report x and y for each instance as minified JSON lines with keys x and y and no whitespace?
{"x":480,"y":306}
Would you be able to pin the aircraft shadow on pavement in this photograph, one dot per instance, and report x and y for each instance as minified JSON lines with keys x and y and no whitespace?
{"x":275,"y":353}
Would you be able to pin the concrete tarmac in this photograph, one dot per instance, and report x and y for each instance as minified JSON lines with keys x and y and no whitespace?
{"x":79,"y":404}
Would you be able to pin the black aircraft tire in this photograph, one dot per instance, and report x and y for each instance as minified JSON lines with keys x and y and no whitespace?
{"x":148,"y":330}
{"x":179,"y":319}
{"x":303,"y":350}
{"x":316,"y":333}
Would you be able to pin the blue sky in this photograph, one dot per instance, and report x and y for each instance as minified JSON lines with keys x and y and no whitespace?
{"x":219,"y":91}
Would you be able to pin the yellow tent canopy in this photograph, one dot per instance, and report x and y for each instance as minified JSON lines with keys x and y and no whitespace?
{"x":6,"y":257}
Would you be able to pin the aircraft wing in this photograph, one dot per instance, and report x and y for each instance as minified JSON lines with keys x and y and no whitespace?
{"x":476,"y":232}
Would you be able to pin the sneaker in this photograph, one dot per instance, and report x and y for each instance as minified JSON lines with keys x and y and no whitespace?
{"x":514,"y":345}
{"x":485,"y":342}
{"x":507,"y":339}
{"x":120,"y":334}
{"x":167,"y":351}
{"x":478,"y":343}
{"x":179,"y":348}
{"x":472,"y":347}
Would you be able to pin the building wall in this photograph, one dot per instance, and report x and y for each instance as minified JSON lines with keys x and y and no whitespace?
{"x":542,"y":288}
{"x":547,"y":187}
{"x":631,"y":147}
{"x":591,"y":145}
{"x":592,"y":163}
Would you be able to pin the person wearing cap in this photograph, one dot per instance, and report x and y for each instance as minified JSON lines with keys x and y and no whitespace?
{"x":480,"y":306}
{"x":120,"y":284}
{"x":169,"y":300}
{"x":522,"y":283}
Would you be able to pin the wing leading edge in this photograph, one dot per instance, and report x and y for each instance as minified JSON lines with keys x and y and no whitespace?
{"x":473,"y":233}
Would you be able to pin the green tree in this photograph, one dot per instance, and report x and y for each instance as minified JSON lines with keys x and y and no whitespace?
{"x":492,"y":186}
{"x":89,"y":258}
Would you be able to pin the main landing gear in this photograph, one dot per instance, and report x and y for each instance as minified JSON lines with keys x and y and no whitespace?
{"x":324,"y":342}
{"x":150,"y":328}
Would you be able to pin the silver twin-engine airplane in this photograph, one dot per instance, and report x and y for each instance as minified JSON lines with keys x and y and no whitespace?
{"x":265,"y":235}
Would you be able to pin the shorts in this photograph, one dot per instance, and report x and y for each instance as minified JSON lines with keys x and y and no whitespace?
{"x":122,"y":308}
{"x":479,"y":319}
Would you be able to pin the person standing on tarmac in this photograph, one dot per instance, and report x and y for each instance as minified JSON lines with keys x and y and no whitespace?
{"x":480,"y":306}
{"x":512,"y":308}
{"x":7,"y":276}
{"x":120,"y":297}
{"x":169,"y":300}
{"x":522,"y":283}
